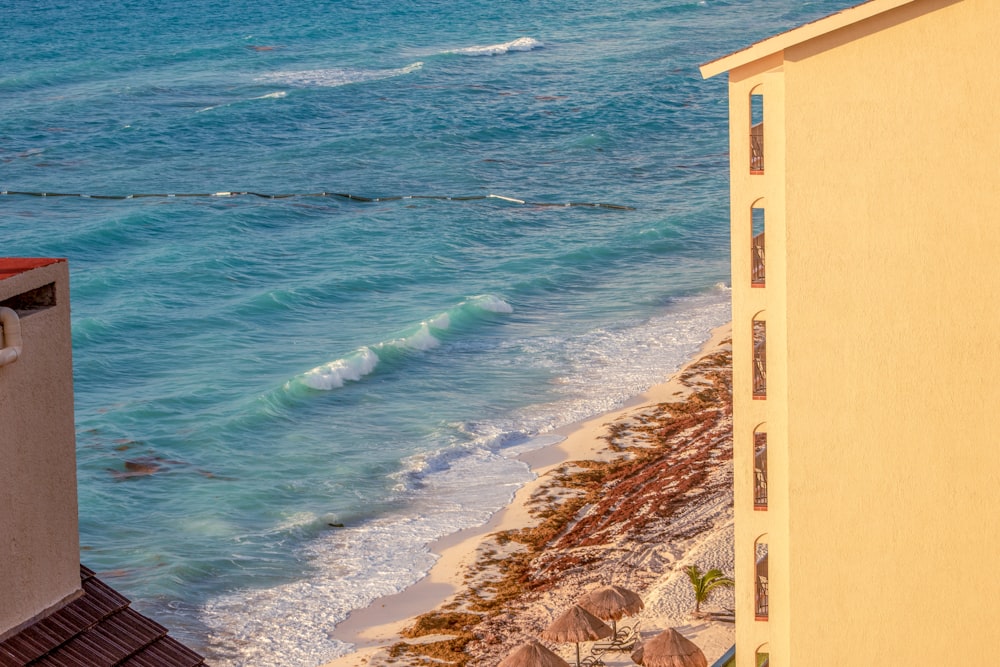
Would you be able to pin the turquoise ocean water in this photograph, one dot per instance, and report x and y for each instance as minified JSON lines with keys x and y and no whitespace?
{"x":321,"y":387}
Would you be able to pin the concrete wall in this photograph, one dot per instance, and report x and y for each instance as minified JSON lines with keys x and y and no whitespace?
{"x":39,"y":543}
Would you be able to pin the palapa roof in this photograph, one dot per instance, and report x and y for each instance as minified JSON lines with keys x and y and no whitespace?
{"x":669,"y":649}
{"x":98,"y":628}
{"x":611,"y":602}
{"x":532,"y":654}
{"x":803,"y":33}
{"x":577,"y":625}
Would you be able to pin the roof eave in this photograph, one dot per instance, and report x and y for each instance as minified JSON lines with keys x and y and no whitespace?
{"x":804,"y":33}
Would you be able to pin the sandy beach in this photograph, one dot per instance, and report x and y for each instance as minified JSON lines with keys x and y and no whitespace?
{"x":631,"y":497}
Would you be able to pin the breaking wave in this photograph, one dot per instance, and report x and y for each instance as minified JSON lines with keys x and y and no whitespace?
{"x":420,"y":338}
{"x":519,"y":44}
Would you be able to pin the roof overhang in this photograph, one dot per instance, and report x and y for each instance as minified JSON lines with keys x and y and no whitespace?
{"x":804,"y":33}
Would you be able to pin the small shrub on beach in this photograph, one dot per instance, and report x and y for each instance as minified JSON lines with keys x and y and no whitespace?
{"x":704,"y":583}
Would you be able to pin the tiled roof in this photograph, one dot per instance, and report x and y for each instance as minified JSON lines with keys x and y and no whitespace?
{"x":97,"y":629}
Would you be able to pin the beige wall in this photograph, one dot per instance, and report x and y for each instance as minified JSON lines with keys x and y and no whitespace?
{"x":882,"y":302}
{"x":893,"y":242}
{"x":39,"y":548}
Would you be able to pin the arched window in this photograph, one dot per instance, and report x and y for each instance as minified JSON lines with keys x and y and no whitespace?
{"x":759,"y":356}
{"x":760,"y":578}
{"x":763,"y":656}
{"x":760,"y":467}
{"x":757,"y":244}
{"x":756,"y":131}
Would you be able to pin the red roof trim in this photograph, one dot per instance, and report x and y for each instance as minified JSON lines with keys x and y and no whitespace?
{"x":12,"y":266}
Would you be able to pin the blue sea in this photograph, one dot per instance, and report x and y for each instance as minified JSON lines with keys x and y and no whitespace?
{"x":280,"y":402}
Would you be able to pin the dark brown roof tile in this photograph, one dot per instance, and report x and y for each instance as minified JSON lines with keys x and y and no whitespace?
{"x":98,"y":629}
{"x":167,"y":651}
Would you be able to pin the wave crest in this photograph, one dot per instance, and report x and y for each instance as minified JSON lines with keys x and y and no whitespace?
{"x":334,"y":374}
{"x":420,"y":338}
{"x":519,"y":44}
{"x":490,"y":303}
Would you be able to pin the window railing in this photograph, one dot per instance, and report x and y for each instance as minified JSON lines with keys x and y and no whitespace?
{"x":757,"y":148}
{"x":760,"y":471}
{"x":759,"y":359}
{"x":757,"y":261}
{"x":760,"y":587}
{"x":760,"y":606}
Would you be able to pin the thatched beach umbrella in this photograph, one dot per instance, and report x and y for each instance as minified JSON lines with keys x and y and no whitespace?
{"x":532,"y":654}
{"x":577,"y":625}
{"x":669,"y":649}
{"x":612,"y":603}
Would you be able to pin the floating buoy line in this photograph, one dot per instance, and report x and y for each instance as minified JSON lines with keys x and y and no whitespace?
{"x":337,"y":195}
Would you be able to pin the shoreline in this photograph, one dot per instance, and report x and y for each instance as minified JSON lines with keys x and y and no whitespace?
{"x":377,"y":627}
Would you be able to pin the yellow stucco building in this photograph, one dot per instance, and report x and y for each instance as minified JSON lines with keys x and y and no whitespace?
{"x":866,"y":335}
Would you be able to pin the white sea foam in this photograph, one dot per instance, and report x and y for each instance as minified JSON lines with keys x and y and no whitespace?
{"x":277,"y":95}
{"x":482,"y":440}
{"x":625,"y":362}
{"x":289,"y":625}
{"x":418,"y":466}
{"x":519,"y":44}
{"x":337,"y":76}
{"x":490,"y":303}
{"x":362,"y":362}
{"x":334,"y":374}
{"x":422,"y":339}
{"x":442,"y":321}
{"x":601,"y":369}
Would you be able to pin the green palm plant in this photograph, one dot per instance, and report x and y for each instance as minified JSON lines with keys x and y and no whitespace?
{"x":706,"y":582}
